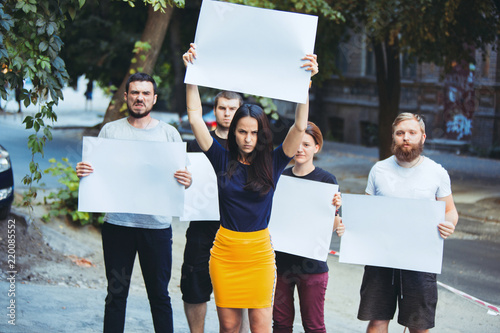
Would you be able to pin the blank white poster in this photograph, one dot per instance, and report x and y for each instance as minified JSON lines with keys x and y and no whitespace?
{"x":302,"y":217}
{"x":132,"y":177}
{"x":392,"y":232}
{"x":201,"y":202}
{"x":253,"y":50}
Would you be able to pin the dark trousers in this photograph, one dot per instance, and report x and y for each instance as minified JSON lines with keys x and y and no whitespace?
{"x":312,"y":290}
{"x":154,"y":246}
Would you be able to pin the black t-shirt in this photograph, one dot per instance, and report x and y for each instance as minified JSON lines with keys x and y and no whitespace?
{"x":193,"y":146}
{"x":286,"y":262}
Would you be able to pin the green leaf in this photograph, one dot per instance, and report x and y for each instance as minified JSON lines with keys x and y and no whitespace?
{"x":72,"y":12}
{"x":51,"y":28}
{"x":32,"y":166}
{"x":43,"y":46}
{"x":40,"y":22}
{"x":47,"y":133}
{"x":28,"y":121}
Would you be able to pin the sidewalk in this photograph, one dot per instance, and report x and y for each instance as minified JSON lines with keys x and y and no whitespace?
{"x":60,"y":308}
{"x":47,"y":308}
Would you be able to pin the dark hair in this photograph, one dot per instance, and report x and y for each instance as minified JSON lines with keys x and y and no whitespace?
{"x":140,"y":77}
{"x":260,"y":171}
{"x":227,"y":95}
{"x":313,"y":130}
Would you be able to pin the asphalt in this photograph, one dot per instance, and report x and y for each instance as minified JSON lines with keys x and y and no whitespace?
{"x":475,"y":184}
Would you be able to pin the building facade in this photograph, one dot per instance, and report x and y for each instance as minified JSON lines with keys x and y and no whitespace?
{"x":461,"y":109}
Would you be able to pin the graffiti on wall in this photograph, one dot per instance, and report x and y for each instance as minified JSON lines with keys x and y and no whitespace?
{"x":459,"y":103}
{"x":460,"y":125}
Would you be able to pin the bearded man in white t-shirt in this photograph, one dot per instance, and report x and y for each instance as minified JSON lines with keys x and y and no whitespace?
{"x":406,"y":174}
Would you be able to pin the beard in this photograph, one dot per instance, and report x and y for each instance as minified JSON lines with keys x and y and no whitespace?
{"x":407,"y":154}
{"x":136,"y":115}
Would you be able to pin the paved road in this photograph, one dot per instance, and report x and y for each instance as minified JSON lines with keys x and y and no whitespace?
{"x":64,"y":144}
{"x":471,"y":265}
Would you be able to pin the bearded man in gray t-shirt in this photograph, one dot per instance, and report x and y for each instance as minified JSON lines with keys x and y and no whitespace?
{"x":123,"y":234}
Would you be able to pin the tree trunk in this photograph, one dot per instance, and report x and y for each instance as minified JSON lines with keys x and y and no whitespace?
{"x":389,"y":90}
{"x":143,"y":61}
{"x":178,"y":102}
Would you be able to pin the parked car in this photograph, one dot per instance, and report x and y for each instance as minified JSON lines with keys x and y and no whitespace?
{"x":6,"y":183}
{"x":184,"y":127}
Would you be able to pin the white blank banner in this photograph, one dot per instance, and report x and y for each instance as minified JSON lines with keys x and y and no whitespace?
{"x":132,"y":177}
{"x":253,"y":50}
{"x":392,"y":232}
{"x":302,"y":217}
{"x":201,"y":202}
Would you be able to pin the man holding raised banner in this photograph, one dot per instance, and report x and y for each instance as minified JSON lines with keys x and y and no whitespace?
{"x":406,"y":174}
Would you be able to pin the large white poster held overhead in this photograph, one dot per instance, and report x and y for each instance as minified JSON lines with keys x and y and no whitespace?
{"x":132,"y":177}
{"x":253,"y":50}
{"x":392,"y":232}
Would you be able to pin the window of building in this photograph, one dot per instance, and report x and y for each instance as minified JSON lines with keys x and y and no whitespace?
{"x":341,"y":61}
{"x":370,"y":69}
{"x":336,"y":126}
{"x":369,"y":133}
{"x":408,"y":67}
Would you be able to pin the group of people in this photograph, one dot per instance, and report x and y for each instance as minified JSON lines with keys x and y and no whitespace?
{"x":234,"y":258}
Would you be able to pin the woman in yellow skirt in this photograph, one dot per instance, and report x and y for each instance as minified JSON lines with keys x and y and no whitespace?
{"x":242,"y":264}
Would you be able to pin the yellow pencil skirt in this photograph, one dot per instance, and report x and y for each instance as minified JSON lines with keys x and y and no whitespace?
{"x":242,"y":269}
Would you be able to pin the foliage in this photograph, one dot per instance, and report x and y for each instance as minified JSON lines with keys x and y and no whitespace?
{"x":30,"y":47}
{"x":159,"y":4}
{"x":29,"y":50}
{"x":317,"y":7}
{"x":99,"y":41}
{"x":441,"y":32}
{"x":64,"y":202}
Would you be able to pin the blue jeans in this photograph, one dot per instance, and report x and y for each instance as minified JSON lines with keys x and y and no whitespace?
{"x":154,"y":246}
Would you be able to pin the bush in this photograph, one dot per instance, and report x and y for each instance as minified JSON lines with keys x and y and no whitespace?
{"x":64,"y":202}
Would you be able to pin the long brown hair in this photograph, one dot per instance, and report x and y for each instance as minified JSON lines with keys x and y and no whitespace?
{"x":260,"y":171}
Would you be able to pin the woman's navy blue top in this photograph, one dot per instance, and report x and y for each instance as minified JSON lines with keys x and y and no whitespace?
{"x":240,"y":209}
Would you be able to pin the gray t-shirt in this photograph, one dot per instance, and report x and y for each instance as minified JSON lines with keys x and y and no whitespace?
{"x":428,"y":180}
{"x":121,"y":129}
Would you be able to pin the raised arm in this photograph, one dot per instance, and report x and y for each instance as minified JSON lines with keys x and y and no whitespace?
{"x":296,"y":132}
{"x":194,"y":107}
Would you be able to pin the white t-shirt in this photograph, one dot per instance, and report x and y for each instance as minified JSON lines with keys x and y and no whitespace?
{"x":428,"y":180}
{"x":121,"y":129}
